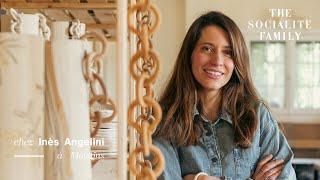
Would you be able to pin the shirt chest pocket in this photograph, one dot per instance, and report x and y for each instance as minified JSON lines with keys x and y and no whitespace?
{"x":246,"y":160}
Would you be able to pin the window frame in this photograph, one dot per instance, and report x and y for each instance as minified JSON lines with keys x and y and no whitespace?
{"x":288,"y":113}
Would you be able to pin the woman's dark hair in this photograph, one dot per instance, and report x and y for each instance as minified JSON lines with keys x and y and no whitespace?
{"x":239,"y":97}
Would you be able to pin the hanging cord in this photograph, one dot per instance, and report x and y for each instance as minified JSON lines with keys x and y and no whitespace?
{"x":98,"y":95}
{"x":77,"y":29}
{"x":144,"y":68}
{"x":17,"y":22}
{"x":43,"y":27}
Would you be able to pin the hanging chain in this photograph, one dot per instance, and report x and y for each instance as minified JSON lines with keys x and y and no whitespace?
{"x":98,"y":95}
{"x":144,"y":68}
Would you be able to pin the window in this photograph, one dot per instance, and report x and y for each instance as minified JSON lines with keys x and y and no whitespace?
{"x":268,"y":60}
{"x":287,"y":76}
{"x":307,"y":93}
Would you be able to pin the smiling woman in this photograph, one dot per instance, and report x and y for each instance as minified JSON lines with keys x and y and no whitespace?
{"x":214,"y":124}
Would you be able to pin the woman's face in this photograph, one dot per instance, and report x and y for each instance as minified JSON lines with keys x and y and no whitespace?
{"x":212,"y":63}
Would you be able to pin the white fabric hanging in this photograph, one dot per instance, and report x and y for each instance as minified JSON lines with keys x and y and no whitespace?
{"x":22,"y":102}
{"x":66,"y":60}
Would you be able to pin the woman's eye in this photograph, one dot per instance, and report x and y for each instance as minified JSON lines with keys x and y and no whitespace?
{"x":228,"y":53}
{"x":207,"y":49}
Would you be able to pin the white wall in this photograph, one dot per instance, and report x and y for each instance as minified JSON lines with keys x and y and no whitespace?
{"x":177,"y":16}
{"x":168,"y":39}
{"x":244,"y":10}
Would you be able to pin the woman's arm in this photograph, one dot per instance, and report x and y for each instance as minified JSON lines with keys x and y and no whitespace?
{"x":172,"y":170}
{"x":273,"y":142}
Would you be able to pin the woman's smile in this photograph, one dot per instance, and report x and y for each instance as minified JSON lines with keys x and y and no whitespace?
{"x":213,"y":74}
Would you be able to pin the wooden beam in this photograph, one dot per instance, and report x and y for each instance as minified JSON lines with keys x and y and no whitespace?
{"x":106,"y":16}
{"x":97,"y":0}
{"x":73,"y":1}
{"x":82,"y":15}
{"x":101,"y":26}
{"x":57,"y":15}
{"x":37,"y":1}
{"x":12,"y":0}
{"x":54,"y":5}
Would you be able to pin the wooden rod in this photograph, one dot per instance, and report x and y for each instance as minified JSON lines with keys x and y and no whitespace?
{"x":122,"y":87}
{"x":54,"y":5}
{"x":101,"y":26}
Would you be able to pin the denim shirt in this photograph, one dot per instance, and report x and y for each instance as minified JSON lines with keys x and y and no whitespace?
{"x":217,"y":155}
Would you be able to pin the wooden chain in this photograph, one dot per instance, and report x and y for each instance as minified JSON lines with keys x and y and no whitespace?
{"x":92,"y":67}
{"x":144,"y":68}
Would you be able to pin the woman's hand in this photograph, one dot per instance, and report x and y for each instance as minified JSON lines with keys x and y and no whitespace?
{"x":268,"y":169}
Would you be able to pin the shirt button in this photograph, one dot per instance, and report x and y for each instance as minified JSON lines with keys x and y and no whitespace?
{"x":214,"y":159}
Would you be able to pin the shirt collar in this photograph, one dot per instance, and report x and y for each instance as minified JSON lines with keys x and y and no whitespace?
{"x":224,"y":115}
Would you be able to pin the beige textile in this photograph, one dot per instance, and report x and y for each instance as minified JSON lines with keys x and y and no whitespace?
{"x":72,"y":121}
{"x":21,"y":106}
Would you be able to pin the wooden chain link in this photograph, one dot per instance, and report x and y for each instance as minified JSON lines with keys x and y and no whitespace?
{"x":92,"y":72}
{"x":144,"y":68}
